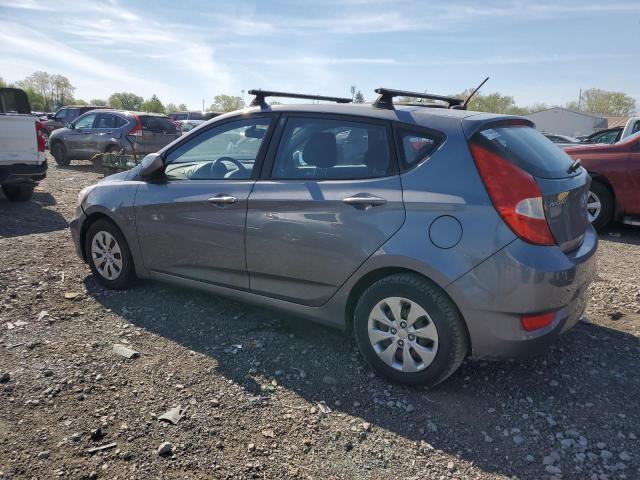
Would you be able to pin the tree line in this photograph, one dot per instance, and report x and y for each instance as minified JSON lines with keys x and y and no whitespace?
{"x":48,"y":92}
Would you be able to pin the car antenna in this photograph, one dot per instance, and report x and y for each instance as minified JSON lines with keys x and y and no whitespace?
{"x":466,"y":102}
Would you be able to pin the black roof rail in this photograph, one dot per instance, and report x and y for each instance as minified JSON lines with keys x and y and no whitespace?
{"x":385,"y":100}
{"x":260,"y":95}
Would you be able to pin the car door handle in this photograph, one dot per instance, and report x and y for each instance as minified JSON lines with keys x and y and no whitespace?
{"x":222,"y":199}
{"x":364,"y":200}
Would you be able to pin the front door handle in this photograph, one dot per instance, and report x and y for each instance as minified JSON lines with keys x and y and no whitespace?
{"x":222,"y":199}
{"x":364,"y":200}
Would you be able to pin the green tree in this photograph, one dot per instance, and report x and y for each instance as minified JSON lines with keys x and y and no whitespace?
{"x":77,"y":101}
{"x":40,"y":82}
{"x":606,"y":103}
{"x":2,"y":83}
{"x":226,"y":103}
{"x":61,"y":90}
{"x":126,"y":101}
{"x":537,"y":107}
{"x":153,"y":105}
{"x":182,"y":107}
{"x":171,"y":107}
{"x":35,"y":100}
{"x":492,"y":103}
{"x":358,"y":97}
{"x":98,"y":102}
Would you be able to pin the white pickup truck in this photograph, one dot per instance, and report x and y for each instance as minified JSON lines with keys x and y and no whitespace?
{"x":22,"y":159}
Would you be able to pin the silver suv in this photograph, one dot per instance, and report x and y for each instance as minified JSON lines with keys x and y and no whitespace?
{"x":432,"y":233}
{"x":112,"y":131}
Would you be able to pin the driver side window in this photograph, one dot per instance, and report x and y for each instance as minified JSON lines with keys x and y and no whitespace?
{"x":225,"y":152}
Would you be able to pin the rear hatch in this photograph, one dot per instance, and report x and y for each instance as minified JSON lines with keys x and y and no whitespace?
{"x":157,"y":132}
{"x":562,"y":186}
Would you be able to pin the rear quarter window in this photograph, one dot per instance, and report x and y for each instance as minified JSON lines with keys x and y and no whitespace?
{"x":158,"y":125}
{"x":415,"y":146}
{"x":527,"y":148}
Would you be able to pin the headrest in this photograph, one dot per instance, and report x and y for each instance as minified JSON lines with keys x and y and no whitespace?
{"x":321,"y":150}
{"x":377,"y":157}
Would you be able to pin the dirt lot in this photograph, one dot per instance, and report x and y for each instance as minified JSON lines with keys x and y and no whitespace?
{"x":267,"y":397}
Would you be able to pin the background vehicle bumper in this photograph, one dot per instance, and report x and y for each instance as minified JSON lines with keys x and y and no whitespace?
{"x":524,"y":279}
{"x":22,"y":173}
{"x":76,"y":228}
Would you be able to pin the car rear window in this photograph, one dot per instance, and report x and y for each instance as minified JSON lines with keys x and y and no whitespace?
{"x":158,"y":125}
{"x":527,"y":148}
{"x":14,"y":100}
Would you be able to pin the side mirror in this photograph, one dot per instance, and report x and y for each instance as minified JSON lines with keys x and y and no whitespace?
{"x":50,"y":115}
{"x":151,"y":165}
{"x":70,"y":126}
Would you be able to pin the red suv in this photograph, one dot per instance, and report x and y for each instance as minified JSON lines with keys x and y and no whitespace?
{"x":615,"y":189}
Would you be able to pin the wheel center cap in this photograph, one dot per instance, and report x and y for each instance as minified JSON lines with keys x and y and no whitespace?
{"x":403,"y":334}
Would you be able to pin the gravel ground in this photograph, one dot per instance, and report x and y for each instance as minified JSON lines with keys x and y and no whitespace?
{"x":269,"y":397}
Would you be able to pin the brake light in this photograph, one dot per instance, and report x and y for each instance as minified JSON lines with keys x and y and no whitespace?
{"x":515,"y":195}
{"x":40,"y":136}
{"x":536,"y":322}
{"x":136,"y":131}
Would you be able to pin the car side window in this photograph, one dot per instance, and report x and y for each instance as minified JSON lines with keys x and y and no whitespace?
{"x":61,"y":115}
{"x":636,"y":127}
{"x":85,"y":121}
{"x":415,"y":146}
{"x":326,"y":149}
{"x":228,"y":151}
{"x":119,"y":121}
{"x":105,"y":120}
{"x":72,"y":114}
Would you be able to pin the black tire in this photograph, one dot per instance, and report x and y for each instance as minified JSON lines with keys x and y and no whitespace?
{"x":127,"y":275}
{"x":604,"y":217}
{"x":452,"y":342}
{"x":114,"y":149}
{"x":60,"y":154}
{"x":21,"y":192}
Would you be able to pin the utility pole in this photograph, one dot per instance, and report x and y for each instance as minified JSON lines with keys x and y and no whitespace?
{"x":579,"y":99}
{"x":203,"y":104}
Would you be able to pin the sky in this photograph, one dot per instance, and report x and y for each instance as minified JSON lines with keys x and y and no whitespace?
{"x":187,"y":51}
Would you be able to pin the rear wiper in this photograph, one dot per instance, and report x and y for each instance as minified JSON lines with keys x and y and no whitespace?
{"x":575,"y":166}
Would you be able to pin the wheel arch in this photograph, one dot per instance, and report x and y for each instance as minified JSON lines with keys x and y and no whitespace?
{"x":373,"y":276}
{"x":90,"y":220}
{"x":603,"y":180}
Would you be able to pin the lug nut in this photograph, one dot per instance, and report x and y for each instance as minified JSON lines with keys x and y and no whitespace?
{"x":403,"y":324}
{"x":400,"y":343}
{"x":393,"y":331}
{"x":412,"y":337}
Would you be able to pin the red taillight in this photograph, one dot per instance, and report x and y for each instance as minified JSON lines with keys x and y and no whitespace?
{"x":40,"y":136}
{"x":515,"y":195}
{"x":137,"y":130}
{"x":536,"y":322}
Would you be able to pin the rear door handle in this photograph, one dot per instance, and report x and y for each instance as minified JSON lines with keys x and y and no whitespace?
{"x":222,"y":199}
{"x":364,"y":200}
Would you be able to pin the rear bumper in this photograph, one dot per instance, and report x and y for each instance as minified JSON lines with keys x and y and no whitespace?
{"x":524,"y":279}
{"x":22,"y":173}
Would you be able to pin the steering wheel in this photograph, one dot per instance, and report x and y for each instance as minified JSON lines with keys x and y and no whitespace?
{"x":241,"y":167}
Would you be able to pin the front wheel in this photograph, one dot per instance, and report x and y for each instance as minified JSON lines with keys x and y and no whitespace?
{"x":409,"y":330}
{"x":60,"y":154}
{"x":599,"y":205}
{"x":109,"y":256}
{"x":18,"y":193}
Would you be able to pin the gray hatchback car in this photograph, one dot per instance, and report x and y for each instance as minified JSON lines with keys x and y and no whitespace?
{"x":431,"y":233}
{"x":111,"y":131}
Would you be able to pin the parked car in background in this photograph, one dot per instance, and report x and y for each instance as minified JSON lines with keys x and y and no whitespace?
{"x":64,"y":116}
{"x":615,"y":185}
{"x":112,"y":131}
{"x":188,"y":125}
{"x":608,"y":136}
{"x":561,"y":139}
{"x":632,"y":126}
{"x":430,"y":233}
{"x":192,"y":115}
{"x":22,"y":154}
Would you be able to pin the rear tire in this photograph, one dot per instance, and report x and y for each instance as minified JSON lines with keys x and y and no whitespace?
{"x":109,"y":256}
{"x":60,"y":154}
{"x":425,"y":345}
{"x":21,"y":192}
{"x":600,"y":205}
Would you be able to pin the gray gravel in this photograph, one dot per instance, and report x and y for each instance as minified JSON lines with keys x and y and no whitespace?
{"x":273,"y":397}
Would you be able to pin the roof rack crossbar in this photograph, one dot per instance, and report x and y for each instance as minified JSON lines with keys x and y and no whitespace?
{"x":260,"y":95}
{"x":385,"y":100}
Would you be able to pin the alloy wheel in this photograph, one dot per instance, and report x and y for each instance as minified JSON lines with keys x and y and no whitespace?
{"x":594,"y":206}
{"x":402,"y":334}
{"x":106,"y":255}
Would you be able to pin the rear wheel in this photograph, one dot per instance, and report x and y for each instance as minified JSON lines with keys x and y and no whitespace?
{"x":109,"y":256}
{"x":409,"y":330}
{"x":599,"y":205}
{"x":18,"y":192}
{"x":60,"y":154}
